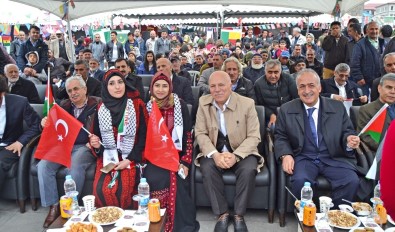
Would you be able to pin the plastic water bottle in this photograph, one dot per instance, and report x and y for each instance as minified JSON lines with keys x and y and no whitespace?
{"x":143,"y":190}
{"x":377,"y":192}
{"x":306,"y":195}
{"x":70,"y":190}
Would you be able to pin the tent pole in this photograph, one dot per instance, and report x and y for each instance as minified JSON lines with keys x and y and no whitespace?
{"x":308,"y":25}
{"x":218,"y":25}
{"x":70,"y":38}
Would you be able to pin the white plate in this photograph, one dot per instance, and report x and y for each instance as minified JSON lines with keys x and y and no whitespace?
{"x":390,"y":220}
{"x":104,"y":224}
{"x":347,"y":228}
{"x":392,"y":229}
{"x":118,"y":228}
{"x":99,"y":228}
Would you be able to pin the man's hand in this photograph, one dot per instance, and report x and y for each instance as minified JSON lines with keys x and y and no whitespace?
{"x":353,"y":141}
{"x":15,"y":147}
{"x":363,"y":98}
{"x":185,"y":168}
{"x":94,"y":141}
{"x":122,"y":165}
{"x":28,"y":71}
{"x":361,"y":82}
{"x":338,"y":97}
{"x":44,"y":122}
{"x":219,"y":160}
{"x":288,"y":164}
{"x":230,"y":159}
{"x":272,"y":120}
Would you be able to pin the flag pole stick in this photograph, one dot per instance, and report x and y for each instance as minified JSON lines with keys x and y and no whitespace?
{"x":48,"y":86}
{"x":373,"y":119}
{"x":89,"y":133}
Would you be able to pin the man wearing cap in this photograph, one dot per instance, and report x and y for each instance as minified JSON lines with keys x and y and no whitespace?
{"x":203,"y":80}
{"x":285,"y":63}
{"x":297,"y":37}
{"x":256,"y":69}
{"x":176,"y":67}
{"x":61,"y":47}
{"x":274,"y":89}
{"x":297,"y":65}
{"x":225,"y":53}
{"x":240,"y":84}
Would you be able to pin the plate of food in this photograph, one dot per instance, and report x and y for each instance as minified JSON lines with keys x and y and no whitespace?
{"x":362,"y":208}
{"x":390,"y":219}
{"x":343,"y":220}
{"x":84,"y":226}
{"x":362,"y":229}
{"x":123,"y":229}
{"x":106,"y":215}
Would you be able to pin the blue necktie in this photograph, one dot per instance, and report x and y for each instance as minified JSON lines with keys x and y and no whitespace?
{"x":391,"y":111}
{"x":312,"y":124}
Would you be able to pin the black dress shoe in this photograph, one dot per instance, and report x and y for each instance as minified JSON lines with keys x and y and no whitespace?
{"x":239,"y":224}
{"x":53,"y":213}
{"x":222,"y":223}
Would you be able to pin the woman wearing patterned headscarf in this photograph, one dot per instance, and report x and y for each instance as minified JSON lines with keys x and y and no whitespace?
{"x":167,"y":186}
{"x":121,"y":132}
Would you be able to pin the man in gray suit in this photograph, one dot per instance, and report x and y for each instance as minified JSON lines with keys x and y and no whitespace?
{"x":314,"y":136}
{"x":386,"y":90}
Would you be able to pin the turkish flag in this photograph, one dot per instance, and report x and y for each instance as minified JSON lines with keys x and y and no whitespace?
{"x":58,"y":137}
{"x":159,"y":147}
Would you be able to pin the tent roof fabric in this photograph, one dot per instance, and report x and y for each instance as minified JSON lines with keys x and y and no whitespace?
{"x":90,"y":7}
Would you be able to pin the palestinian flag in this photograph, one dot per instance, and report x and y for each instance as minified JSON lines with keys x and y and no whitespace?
{"x":230,"y":35}
{"x":49,"y":100}
{"x":375,"y":126}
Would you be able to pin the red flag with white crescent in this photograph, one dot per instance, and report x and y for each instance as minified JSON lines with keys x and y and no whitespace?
{"x":58,"y":137}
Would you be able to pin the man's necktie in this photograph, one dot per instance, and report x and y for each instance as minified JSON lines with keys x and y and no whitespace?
{"x":312,"y":124}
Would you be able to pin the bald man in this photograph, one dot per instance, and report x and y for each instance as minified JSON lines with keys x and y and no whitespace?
{"x":227,"y":132}
{"x":181,"y":85}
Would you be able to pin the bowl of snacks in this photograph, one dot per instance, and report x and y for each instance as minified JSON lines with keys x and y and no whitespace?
{"x":362,"y":208}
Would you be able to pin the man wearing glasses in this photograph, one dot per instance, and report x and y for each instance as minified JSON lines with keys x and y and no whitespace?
{"x":98,"y":50}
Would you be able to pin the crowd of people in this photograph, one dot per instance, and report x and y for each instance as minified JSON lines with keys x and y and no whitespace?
{"x":301,"y":81}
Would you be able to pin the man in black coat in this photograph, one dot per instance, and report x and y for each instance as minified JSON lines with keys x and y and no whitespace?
{"x":127,"y":68}
{"x":181,"y":85}
{"x":314,"y":136}
{"x":256,"y":69}
{"x":14,"y":110}
{"x":274,"y":89}
{"x":340,"y":88}
{"x":94,"y":69}
{"x":110,"y":55}
{"x":93,"y":86}
{"x":34,"y":43}
{"x":20,"y":86}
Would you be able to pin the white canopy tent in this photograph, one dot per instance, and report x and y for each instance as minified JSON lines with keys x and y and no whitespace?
{"x":90,"y":7}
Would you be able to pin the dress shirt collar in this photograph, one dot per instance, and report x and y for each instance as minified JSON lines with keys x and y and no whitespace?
{"x":223,"y":107}
{"x":317,"y":105}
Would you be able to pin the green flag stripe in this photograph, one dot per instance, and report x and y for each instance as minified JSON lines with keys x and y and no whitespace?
{"x":375,"y":135}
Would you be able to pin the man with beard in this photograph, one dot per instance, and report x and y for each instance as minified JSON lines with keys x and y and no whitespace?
{"x":256,"y":70}
{"x":240,"y":84}
{"x":313,"y":63}
{"x":98,"y":49}
{"x":20,"y":86}
{"x":274,"y":89}
{"x":94,"y":70}
{"x":127,"y":69}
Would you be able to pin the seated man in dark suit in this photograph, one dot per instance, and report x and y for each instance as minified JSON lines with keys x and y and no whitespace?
{"x":340,"y":88}
{"x":93,"y":86}
{"x":127,"y":69}
{"x":386,"y":90}
{"x":20,"y":86}
{"x":389,"y":67}
{"x":227,"y":131}
{"x":94,"y":70}
{"x":314,"y":136}
{"x":83,"y":108}
{"x":14,"y":110}
{"x":181,"y":85}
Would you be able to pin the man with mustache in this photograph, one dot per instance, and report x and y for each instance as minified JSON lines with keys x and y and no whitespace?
{"x":314,"y":136}
{"x":83,"y":108}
